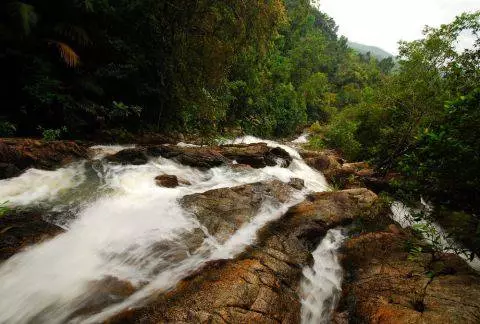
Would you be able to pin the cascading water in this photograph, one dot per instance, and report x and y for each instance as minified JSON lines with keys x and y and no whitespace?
{"x":322,"y":282}
{"x":403,"y":216}
{"x":119,"y":224}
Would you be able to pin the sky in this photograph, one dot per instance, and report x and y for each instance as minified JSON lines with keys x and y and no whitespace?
{"x":383,"y":23}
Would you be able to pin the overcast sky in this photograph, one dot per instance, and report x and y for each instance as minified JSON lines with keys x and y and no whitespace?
{"x":383,"y":23}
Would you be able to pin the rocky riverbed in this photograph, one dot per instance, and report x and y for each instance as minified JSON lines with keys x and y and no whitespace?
{"x":223,"y":234}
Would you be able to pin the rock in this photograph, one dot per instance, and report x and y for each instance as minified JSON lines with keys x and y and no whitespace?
{"x":297,"y":183}
{"x":223,"y":211}
{"x":256,"y":155}
{"x":19,"y":230}
{"x":8,"y":170}
{"x":260,"y":285}
{"x":241,"y":167}
{"x":17,"y":155}
{"x":346,"y":175}
{"x":384,"y":286}
{"x":100,"y":294}
{"x":184,"y":182}
{"x":197,"y":157}
{"x":134,"y":156}
{"x":321,"y":161}
{"x":394,"y":229}
{"x":167,"y":181}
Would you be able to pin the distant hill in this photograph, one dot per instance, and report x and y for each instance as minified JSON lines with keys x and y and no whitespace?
{"x":375,"y":51}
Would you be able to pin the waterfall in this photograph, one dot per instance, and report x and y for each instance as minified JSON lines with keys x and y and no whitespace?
{"x":322,"y":282}
{"x":120,"y":224}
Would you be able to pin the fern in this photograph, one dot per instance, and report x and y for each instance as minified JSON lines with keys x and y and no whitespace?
{"x":68,"y":55}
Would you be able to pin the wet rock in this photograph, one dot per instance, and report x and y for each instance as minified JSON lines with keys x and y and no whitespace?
{"x":17,"y":155}
{"x":241,"y":167}
{"x":321,"y":161}
{"x":260,"y":285}
{"x":184,"y":182}
{"x":19,"y":230}
{"x":385,"y":286}
{"x":167,"y":181}
{"x":297,"y":183}
{"x":345,"y":175}
{"x":100,"y":294}
{"x":134,"y":156}
{"x":8,"y":170}
{"x":256,"y":155}
{"x":223,"y":211}
{"x":191,"y":156}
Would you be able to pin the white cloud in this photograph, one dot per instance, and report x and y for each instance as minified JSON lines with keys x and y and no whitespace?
{"x":383,"y":23}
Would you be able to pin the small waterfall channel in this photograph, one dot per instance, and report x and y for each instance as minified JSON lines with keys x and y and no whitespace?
{"x":119,"y":224}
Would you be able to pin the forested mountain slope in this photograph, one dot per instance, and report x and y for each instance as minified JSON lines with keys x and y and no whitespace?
{"x":374,"y":51}
{"x":114,"y":66}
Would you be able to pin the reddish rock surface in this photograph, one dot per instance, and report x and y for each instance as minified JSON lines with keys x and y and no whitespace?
{"x":16,"y":155}
{"x":384,"y":286}
{"x":167,"y":181}
{"x":19,"y":230}
{"x":223,"y":211}
{"x":260,"y":285}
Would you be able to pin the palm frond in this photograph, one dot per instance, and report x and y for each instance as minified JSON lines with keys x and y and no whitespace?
{"x":25,"y":13}
{"x":68,"y":55}
{"x":75,"y":33}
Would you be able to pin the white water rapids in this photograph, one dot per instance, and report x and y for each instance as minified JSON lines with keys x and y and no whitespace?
{"x":120,"y":224}
{"x":322,"y":282}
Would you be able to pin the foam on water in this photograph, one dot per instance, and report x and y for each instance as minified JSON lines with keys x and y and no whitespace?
{"x":37,"y":186}
{"x":303,"y":139}
{"x":322,"y":283}
{"x":120,"y":218}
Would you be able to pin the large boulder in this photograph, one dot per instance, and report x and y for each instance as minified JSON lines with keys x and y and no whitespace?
{"x":19,"y":230}
{"x":134,"y":156}
{"x":261,"y":285}
{"x":256,"y":155}
{"x":17,"y":155}
{"x":345,"y":175}
{"x":223,"y":211}
{"x":198,"y":157}
{"x":384,"y":285}
{"x":253,"y":155}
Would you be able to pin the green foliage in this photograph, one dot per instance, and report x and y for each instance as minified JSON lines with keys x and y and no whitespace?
{"x":341,"y":135}
{"x":445,"y":163}
{"x":4,"y":208}
{"x":7,"y":128}
{"x":315,"y":128}
{"x":52,"y":134}
{"x":316,"y":142}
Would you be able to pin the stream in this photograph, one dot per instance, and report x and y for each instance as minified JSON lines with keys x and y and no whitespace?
{"x":115,"y":217}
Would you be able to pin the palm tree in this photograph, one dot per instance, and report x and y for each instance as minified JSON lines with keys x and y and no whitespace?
{"x":24,"y":18}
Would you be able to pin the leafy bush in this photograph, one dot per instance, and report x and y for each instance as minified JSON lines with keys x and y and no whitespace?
{"x":7,"y":128}
{"x":341,"y":135}
{"x":315,"y":142}
{"x":52,"y":134}
{"x":445,"y":164}
{"x":316,"y":128}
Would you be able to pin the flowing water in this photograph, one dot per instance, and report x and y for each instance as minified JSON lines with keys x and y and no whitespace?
{"x":404,"y":217}
{"x":322,"y":282}
{"x":120,"y":224}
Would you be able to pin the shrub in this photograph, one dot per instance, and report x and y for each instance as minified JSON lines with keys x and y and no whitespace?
{"x":341,"y":135}
{"x":52,"y":134}
{"x":7,"y":128}
{"x":316,"y":128}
